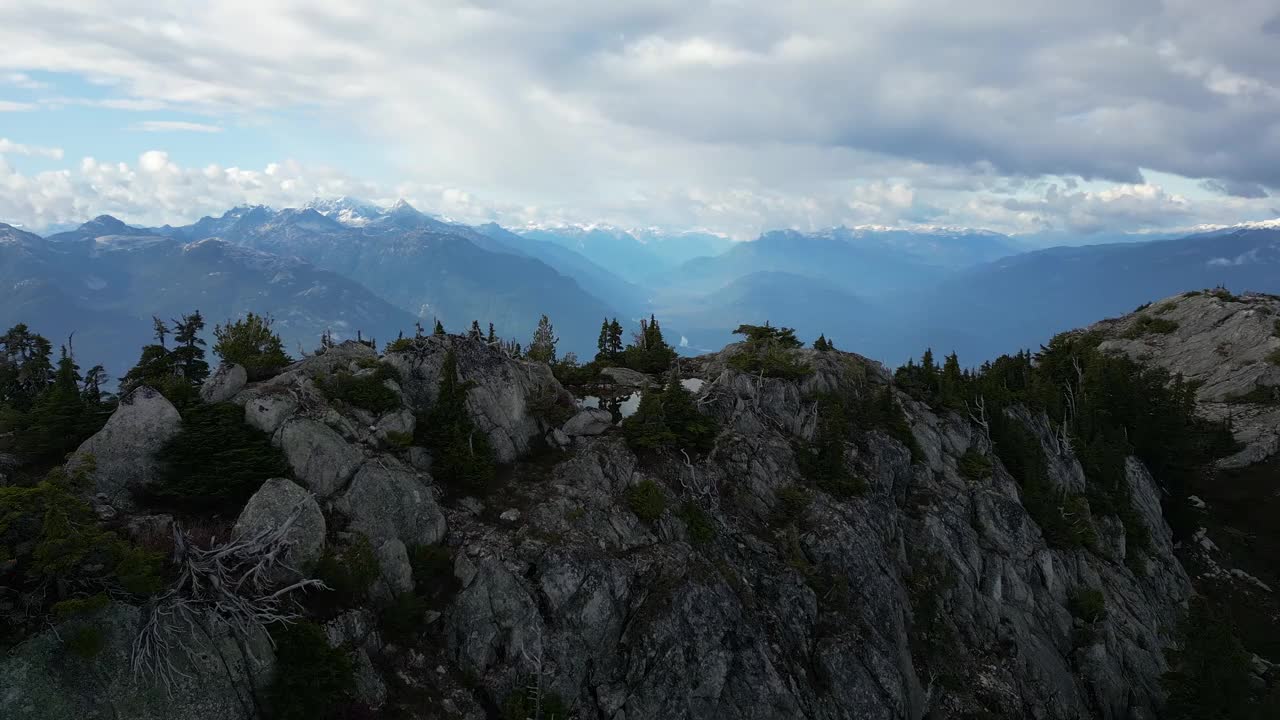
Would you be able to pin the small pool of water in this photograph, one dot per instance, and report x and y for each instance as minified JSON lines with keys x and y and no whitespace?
{"x":620,"y":406}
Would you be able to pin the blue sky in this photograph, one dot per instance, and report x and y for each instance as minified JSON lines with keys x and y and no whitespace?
{"x":730,"y":115}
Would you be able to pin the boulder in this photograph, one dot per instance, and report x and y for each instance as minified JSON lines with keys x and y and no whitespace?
{"x":387,"y":501}
{"x":627,"y":377}
{"x":123,"y":451}
{"x":218,"y":673}
{"x":272,"y":505}
{"x":320,"y":458}
{"x":396,"y":572}
{"x":224,"y":383}
{"x":267,"y":410}
{"x":588,"y":421}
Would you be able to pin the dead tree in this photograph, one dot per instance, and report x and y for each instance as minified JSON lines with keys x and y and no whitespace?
{"x":978,"y":414}
{"x":246,"y":583}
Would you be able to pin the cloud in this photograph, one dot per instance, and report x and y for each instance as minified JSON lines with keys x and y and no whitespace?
{"x":754,"y":113}
{"x":8,"y":146}
{"x":21,"y":81}
{"x":10,"y":106}
{"x":1236,"y":189}
{"x":175,"y":126}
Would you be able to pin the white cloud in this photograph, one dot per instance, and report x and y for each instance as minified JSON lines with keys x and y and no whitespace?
{"x":21,"y":81}
{"x":737,"y":115}
{"x":8,"y":146}
{"x":10,"y":106}
{"x":175,"y":126}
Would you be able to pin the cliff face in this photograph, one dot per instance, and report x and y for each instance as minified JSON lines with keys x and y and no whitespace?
{"x":740,"y":590}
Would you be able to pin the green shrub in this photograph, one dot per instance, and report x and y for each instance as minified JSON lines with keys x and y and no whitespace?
{"x":551,"y":407}
{"x":85,"y":641}
{"x":402,"y":620}
{"x":80,"y":606}
{"x":1088,"y":604}
{"x":768,"y":351}
{"x":698,"y":523}
{"x":368,"y":391}
{"x":312,"y":681}
{"x":433,"y":576}
{"x":1274,"y":357}
{"x":250,"y":342}
{"x":397,"y":440}
{"x":349,"y":571}
{"x":975,"y":465}
{"x":1275,"y":329}
{"x":647,"y":427}
{"x":1149,"y":325}
{"x":216,"y":461}
{"x":646,"y":500}
{"x":1224,"y":294}
{"x":793,"y":504}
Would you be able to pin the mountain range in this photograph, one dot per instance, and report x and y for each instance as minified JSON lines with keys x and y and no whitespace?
{"x":346,"y":265}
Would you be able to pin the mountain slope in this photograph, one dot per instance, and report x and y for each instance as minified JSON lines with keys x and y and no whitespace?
{"x":430,"y":269}
{"x":1021,"y":301}
{"x":106,"y":288}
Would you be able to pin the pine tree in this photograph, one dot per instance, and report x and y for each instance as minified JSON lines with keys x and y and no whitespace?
{"x":693,"y":431}
{"x":26,"y":366}
{"x":476,"y":333}
{"x":647,"y":428}
{"x":952,"y":382}
{"x":188,"y":353}
{"x":493,"y":337}
{"x":649,"y":351}
{"x":460,"y":452}
{"x":53,"y":424}
{"x":602,"y":344}
{"x":821,"y":344}
{"x":543,"y":346}
{"x":615,"y":346}
{"x":439,"y":329}
{"x":160,"y":329}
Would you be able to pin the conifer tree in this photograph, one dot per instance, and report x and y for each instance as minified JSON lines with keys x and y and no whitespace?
{"x":188,"y":352}
{"x":602,"y":343}
{"x":543,"y":346}
{"x":476,"y":333}
{"x":26,"y":366}
{"x":439,"y":329}
{"x":493,"y":337}
{"x":460,"y":452}
{"x":615,"y":346}
{"x":647,"y":428}
{"x":160,"y":329}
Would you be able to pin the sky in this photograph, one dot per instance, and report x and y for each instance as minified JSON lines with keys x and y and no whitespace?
{"x":733,"y":116}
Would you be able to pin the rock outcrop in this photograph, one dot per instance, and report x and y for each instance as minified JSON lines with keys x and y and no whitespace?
{"x":387,"y":501}
{"x":505,"y":399}
{"x":1229,"y":344}
{"x":45,"y":679}
{"x":224,"y":383}
{"x":272,"y":505}
{"x":588,"y":421}
{"x":123,"y":451}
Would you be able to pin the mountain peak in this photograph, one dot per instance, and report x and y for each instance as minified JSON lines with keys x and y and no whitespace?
{"x":108,"y":225}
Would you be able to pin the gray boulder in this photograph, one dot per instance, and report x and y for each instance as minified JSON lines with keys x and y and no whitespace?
{"x":588,"y":421}
{"x":272,"y":505}
{"x":320,"y":458}
{"x":123,"y":451}
{"x":387,"y":501}
{"x":224,"y":383}
{"x":268,"y":408}
{"x":396,"y":572}
{"x":41,"y":679}
{"x":627,"y":377}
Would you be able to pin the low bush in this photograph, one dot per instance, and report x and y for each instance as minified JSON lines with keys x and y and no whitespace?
{"x":975,"y":465}
{"x":312,"y":681}
{"x":368,"y":391}
{"x":646,"y":500}
{"x":349,"y":571}
{"x":698,"y":523}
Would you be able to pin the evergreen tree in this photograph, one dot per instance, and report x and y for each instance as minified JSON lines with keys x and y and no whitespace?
{"x":53,"y":425}
{"x":693,"y":431}
{"x":188,"y":352}
{"x":476,"y":333}
{"x":160,"y":329}
{"x":439,"y":329}
{"x":93,"y":381}
{"x":493,"y":337}
{"x":647,"y":428}
{"x":543,"y":346}
{"x":1209,"y":675}
{"x":26,"y":366}
{"x":822,"y":344}
{"x":767,"y":350}
{"x":649,"y":351}
{"x":461,"y":453}
{"x":615,"y":346}
{"x":951,"y":384}
{"x":602,"y":343}
{"x":251,"y":342}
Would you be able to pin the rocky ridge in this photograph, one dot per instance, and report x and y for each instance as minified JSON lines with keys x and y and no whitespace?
{"x":750,"y":594}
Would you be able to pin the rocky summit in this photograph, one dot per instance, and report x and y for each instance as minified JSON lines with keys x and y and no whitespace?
{"x":447,"y":531}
